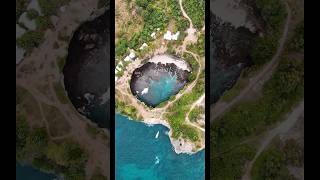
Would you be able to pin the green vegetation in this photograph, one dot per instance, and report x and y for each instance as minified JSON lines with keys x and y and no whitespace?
{"x":22,"y":132}
{"x":32,"y":39}
{"x":154,"y":17}
{"x":194,"y":66}
{"x":155,"y":14}
{"x":27,"y":105}
{"x":175,"y":13}
{"x":92,"y":130}
{"x":273,"y":162}
{"x":176,"y":113}
{"x":21,"y":6}
{"x":50,"y":7}
{"x":270,"y":165}
{"x":61,"y":62}
{"x":280,"y":94}
{"x":63,"y":37}
{"x":102,"y":3}
{"x":196,"y":11}
{"x":234,"y":91}
{"x":34,"y":146}
{"x":199,"y":47}
{"x":32,"y":14}
{"x":127,"y":110}
{"x":297,"y":42}
{"x":60,"y":93}
{"x":273,"y":14}
{"x":43,"y":23}
{"x":29,"y":40}
{"x":195,"y":113}
{"x":231,"y":164}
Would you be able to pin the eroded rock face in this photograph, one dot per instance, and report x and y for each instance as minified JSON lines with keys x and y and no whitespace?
{"x":154,"y":83}
{"x":87,"y":70}
{"x":229,"y":55}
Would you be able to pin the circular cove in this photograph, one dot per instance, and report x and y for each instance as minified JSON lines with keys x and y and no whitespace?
{"x":87,"y":69}
{"x":160,"y":78}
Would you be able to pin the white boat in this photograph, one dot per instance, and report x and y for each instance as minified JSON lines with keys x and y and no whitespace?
{"x":157,"y":160}
{"x":157,"y":135}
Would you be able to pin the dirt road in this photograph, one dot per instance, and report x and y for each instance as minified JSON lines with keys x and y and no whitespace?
{"x":220,"y":107}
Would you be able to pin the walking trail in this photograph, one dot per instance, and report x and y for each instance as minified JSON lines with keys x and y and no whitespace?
{"x":220,"y":107}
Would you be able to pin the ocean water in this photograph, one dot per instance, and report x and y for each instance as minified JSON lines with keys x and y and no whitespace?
{"x":161,"y":90}
{"x":142,"y":156}
{"x":27,"y":172}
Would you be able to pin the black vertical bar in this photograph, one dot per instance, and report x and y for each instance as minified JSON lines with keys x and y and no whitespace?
{"x":112,"y":89}
{"x":207,"y":89}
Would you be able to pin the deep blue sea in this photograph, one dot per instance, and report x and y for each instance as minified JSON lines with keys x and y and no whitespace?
{"x":161,"y":90}
{"x":141,"y":156}
{"x":27,"y":172}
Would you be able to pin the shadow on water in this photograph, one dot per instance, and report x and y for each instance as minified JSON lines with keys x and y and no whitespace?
{"x":229,"y":55}
{"x":87,"y":69}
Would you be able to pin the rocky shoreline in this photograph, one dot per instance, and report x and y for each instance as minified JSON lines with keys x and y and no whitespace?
{"x":154,"y":70}
{"x":229,"y":55}
{"x":86,"y":70}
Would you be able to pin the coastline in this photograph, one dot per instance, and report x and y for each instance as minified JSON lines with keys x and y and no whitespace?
{"x":187,"y":147}
{"x":167,"y":59}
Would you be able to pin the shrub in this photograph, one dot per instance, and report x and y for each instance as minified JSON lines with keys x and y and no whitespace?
{"x":32,"y":14}
{"x":29,"y":40}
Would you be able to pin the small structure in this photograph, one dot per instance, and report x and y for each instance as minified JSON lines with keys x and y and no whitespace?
{"x":132,"y":55}
{"x":168,"y":36}
{"x":118,"y":68}
{"x":153,"y":35}
{"x":144,"y":45}
{"x":175,"y":36}
{"x":127,"y":58}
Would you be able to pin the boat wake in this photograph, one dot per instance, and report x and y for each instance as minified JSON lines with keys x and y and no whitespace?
{"x":157,"y":160}
{"x":157,"y":135}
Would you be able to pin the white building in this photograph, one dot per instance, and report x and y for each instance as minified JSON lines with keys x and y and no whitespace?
{"x":127,"y":58}
{"x":168,"y":36}
{"x":175,"y":36}
{"x":132,"y":55}
{"x":144,"y":45}
{"x":153,"y":35}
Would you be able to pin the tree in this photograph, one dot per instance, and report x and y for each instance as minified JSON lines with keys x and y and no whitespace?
{"x":32,"y":14}
{"x":29,"y":40}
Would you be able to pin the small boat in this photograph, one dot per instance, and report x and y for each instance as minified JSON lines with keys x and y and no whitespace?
{"x":157,"y":160}
{"x":157,"y":135}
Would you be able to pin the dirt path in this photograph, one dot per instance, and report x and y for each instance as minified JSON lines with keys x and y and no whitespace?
{"x":219,"y":108}
{"x":196,"y":103}
{"x":282,"y":128}
{"x":191,"y":31}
